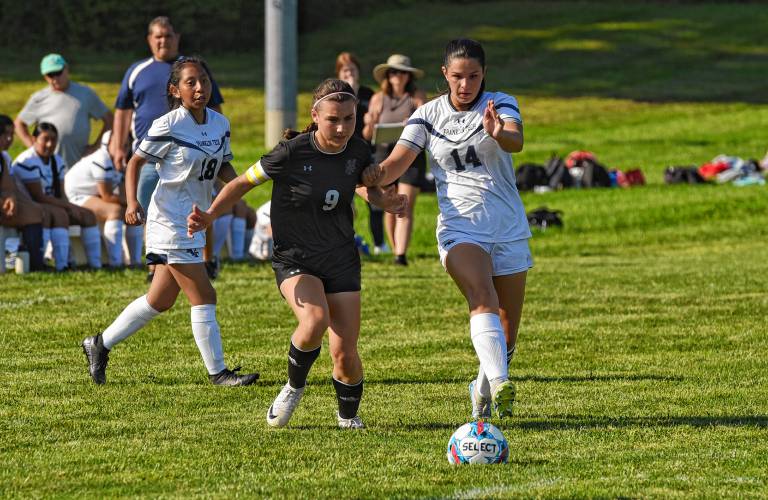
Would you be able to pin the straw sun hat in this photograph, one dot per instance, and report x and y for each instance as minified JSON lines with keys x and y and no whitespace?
{"x":399,"y":62}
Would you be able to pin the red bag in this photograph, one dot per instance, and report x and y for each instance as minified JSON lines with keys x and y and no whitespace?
{"x":634,"y":177}
{"x":577,"y":156}
{"x":710,"y":170}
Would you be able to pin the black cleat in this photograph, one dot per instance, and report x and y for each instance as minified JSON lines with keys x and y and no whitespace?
{"x":212,"y":267}
{"x":97,"y":356}
{"x":231,"y":378}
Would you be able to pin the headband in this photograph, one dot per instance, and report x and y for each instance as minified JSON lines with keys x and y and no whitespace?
{"x":333,"y":94}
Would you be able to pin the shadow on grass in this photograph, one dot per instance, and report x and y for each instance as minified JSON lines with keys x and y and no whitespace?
{"x":582,"y":422}
{"x":533,"y":378}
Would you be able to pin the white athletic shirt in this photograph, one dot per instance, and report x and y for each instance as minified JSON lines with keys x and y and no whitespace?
{"x":29,"y":167}
{"x":188,"y":156}
{"x":84,"y":176}
{"x":474,"y":177}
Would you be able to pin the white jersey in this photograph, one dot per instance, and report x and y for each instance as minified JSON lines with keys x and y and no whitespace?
{"x":29,"y":167}
{"x":474,"y":177}
{"x":188,"y":157}
{"x":84,"y":176}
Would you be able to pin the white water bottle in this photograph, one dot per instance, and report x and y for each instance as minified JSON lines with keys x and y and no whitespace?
{"x":22,"y":262}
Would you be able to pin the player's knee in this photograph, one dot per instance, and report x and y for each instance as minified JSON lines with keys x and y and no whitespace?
{"x":58,"y":217}
{"x":115,"y":212}
{"x":87,"y":218}
{"x":482,"y":297}
{"x":316,"y":322}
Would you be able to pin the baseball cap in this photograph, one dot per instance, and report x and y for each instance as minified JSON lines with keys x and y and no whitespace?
{"x":52,"y":63}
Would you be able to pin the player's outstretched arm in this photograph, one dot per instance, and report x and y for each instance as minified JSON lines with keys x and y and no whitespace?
{"x":226,"y":199}
{"x":134,"y":214}
{"x":385,"y":198}
{"x":389,"y":170}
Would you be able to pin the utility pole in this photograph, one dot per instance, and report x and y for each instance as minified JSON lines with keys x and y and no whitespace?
{"x":281,"y":67}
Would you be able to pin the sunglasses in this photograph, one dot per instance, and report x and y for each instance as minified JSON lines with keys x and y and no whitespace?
{"x":396,"y":72}
{"x":54,"y":74}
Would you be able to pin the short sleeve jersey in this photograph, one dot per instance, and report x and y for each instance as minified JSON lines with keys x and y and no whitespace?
{"x":188,"y":156}
{"x":83,"y":177}
{"x":144,"y":91}
{"x":312,"y":193}
{"x":70,"y":111}
{"x":474,"y":177}
{"x":28,"y":167}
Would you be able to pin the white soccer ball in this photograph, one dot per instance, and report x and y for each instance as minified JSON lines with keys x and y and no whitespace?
{"x":477,"y":443}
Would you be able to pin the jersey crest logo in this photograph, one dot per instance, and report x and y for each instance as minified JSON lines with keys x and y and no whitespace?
{"x":351,"y":166}
{"x":307,"y":168}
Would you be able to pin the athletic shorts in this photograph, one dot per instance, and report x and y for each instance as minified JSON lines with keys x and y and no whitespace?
{"x":416,"y":173}
{"x":79,"y":199}
{"x":157,"y":256}
{"x":339,"y":270}
{"x":509,"y":257}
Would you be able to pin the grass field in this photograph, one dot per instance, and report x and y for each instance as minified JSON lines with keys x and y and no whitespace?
{"x":640,"y":366}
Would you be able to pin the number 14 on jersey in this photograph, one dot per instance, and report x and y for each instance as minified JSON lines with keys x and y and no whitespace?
{"x":469,"y":158}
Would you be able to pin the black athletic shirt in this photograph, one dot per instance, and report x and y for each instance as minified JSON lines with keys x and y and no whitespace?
{"x":312,"y":195}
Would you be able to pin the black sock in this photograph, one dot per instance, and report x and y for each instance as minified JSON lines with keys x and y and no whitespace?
{"x":510,"y":355}
{"x":348,"y":397}
{"x":401,"y":260}
{"x":299,"y":363}
{"x":376,"y":221}
{"x":32,"y":236}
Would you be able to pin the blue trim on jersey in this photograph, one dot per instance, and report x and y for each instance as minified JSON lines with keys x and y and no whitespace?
{"x":420,"y":148}
{"x":138,"y":149}
{"x":106,"y":169}
{"x":28,"y":169}
{"x":431,"y":130}
{"x":507,"y":105}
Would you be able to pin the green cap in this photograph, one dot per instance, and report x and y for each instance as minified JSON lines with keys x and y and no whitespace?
{"x":52,"y":63}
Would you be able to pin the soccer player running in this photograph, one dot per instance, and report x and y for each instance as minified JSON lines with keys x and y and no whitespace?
{"x":315,"y":176}
{"x":482,"y":230}
{"x":190,"y":146}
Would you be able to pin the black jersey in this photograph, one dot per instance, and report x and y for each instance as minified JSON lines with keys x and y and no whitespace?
{"x":312,"y":195}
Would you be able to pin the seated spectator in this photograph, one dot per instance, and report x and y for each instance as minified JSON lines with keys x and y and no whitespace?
{"x":235,"y":229}
{"x":261,"y":243}
{"x":18,"y":211}
{"x":94,"y":183}
{"x":67,"y":105}
{"x":41,"y":172}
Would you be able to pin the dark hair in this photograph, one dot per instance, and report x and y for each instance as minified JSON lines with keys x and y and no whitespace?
{"x":5,"y":121}
{"x":410,"y":87}
{"x":163,"y":21}
{"x":329,"y":86}
{"x":45,"y":127}
{"x":178,"y":65}
{"x":464,"y":48}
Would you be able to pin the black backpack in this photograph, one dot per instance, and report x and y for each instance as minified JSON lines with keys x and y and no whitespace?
{"x":529,"y":175}
{"x":543,"y":217}
{"x":595,"y":175}
{"x":683,"y":175}
{"x":558,"y":176}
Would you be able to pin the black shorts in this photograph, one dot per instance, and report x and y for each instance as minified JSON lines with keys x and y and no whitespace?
{"x":338,"y":270}
{"x":416,"y":173}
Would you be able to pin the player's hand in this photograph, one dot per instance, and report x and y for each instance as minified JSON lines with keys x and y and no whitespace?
{"x":119,"y":157}
{"x":373,"y":175}
{"x":393,"y":202}
{"x":134,"y":214}
{"x":9,"y":207}
{"x":198,"y":221}
{"x":492,"y":122}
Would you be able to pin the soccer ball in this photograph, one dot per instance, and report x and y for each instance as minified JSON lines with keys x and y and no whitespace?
{"x":477,"y":443}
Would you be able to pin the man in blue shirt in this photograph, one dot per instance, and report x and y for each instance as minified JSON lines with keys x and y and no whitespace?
{"x":142,"y":99}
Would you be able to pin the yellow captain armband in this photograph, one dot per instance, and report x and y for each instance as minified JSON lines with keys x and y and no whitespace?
{"x":256,"y":175}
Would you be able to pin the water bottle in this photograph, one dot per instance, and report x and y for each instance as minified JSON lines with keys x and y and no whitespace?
{"x":22,"y":262}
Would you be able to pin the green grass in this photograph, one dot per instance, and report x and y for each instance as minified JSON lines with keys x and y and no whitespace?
{"x":640,"y":369}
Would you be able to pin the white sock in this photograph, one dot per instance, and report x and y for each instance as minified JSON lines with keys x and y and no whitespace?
{"x":205,"y":328}
{"x":491,"y":348}
{"x":247,"y":242}
{"x":113,"y":234}
{"x":60,"y":243}
{"x":483,"y":386}
{"x":134,"y":237}
{"x":46,"y":238}
{"x":92,"y":242}
{"x":237,"y":249}
{"x":136,"y":315}
{"x":220,"y":233}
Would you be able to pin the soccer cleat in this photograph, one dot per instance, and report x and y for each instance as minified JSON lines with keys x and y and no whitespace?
{"x":504,"y":398}
{"x":97,"y":356}
{"x":284,"y":405}
{"x":232,"y":378}
{"x":481,"y":407}
{"x":212,"y":267}
{"x":350,"y":423}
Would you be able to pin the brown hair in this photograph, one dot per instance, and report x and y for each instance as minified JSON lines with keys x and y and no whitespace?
{"x":327,"y":87}
{"x":346,"y":59}
{"x":410,"y":87}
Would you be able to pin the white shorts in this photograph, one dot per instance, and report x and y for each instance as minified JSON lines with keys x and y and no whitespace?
{"x":79,"y":199}
{"x":174,"y":256}
{"x":508,"y":257}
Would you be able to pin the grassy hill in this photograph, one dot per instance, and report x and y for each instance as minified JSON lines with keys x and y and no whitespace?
{"x":639,"y":368}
